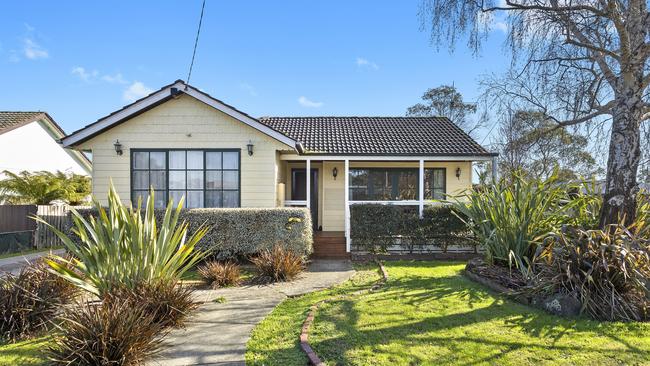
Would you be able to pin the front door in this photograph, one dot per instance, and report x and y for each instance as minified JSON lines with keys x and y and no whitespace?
{"x":299,"y":191}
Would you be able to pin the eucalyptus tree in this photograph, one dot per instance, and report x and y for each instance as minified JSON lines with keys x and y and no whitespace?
{"x":580,"y":62}
{"x":446,"y":101}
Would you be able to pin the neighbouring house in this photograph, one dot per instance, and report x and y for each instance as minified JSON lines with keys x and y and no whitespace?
{"x":30,"y":141}
{"x":181,"y":141}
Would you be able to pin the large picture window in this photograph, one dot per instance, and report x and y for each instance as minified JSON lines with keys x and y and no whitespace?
{"x":207,"y":178}
{"x":435,"y":187}
{"x":383,"y":184}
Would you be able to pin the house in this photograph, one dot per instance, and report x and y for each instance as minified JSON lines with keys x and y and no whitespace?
{"x":182,"y":141}
{"x":29,"y":141}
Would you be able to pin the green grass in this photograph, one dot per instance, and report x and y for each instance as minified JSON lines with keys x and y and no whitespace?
{"x":428,"y":313}
{"x":25,"y":353}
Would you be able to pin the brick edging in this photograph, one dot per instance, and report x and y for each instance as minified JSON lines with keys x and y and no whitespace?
{"x":306,"y":325}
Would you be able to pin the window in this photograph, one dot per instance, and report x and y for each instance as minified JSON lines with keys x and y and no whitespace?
{"x":435,"y":186}
{"x":207,"y":178}
{"x":378,"y":184}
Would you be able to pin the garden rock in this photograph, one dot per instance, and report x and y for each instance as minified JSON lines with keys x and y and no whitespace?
{"x":562,"y":304}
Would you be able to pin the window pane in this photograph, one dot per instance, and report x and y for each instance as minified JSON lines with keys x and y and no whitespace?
{"x":194,"y":179}
{"x":139,"y":194}
{"x":359,"y":184}
{"x":160,"y":201}
{"x":381,"y":185}
{"x":439,"y":178}
{"x":434,"y":183}
{"x":213,"y":160}
{"x":213,"y":179}
{"x":177,"y":160}
{"x":158,"y":179}
{"x":157,"y":160}
{"x":194,"y":199}
{"x":177,"y":179}
{"x":231,"y":160}
{"x":230,"y":199}
{"x":140,"y":160}
{"x":407,"y":184}
{"x":195,"y":160}
{"x":176,"y":196}
{"x":230,"y":180}
{"x":213,"y":199}
{"x":141,"y":179}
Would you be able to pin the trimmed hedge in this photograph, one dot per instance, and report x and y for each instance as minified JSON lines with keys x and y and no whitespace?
{"x":241,"y":232}
{"x":374,"y":228}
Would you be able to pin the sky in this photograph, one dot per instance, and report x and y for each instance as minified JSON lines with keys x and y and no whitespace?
{"x":81,"y":60}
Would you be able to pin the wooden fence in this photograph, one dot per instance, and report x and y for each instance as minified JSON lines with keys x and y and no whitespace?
{"x":16,"y":218}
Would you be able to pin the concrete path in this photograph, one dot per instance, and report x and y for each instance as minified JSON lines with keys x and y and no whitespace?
{"x":218,"y":333}
{"x":14,"y":264}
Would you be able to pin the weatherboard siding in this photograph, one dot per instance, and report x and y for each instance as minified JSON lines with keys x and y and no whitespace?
{"x":186,"y":123}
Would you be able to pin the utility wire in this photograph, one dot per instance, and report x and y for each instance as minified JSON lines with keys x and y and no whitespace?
{"x":196,"y":43}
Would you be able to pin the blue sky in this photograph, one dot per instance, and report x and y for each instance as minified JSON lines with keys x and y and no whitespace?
{"x":80,"y":60}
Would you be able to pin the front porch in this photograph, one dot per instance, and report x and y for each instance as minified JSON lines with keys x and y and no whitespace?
{"x":337,"y":182}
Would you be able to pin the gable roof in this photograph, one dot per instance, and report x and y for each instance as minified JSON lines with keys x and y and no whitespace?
{"x":11,"y":120}
{"x":156,"y":98}
{"x":412,"y":136}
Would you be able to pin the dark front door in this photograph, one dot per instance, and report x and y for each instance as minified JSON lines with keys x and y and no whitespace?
{"x":299,"y":191}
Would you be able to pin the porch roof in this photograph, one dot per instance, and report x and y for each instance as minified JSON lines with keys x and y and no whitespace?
{"x":378,"y":136}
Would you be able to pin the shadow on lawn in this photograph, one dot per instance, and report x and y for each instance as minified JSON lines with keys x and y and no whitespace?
{"x":340,"y":321}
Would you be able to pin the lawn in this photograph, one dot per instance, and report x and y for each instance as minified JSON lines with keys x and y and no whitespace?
{"x":428,"y":313}
{"x":25,"y":353}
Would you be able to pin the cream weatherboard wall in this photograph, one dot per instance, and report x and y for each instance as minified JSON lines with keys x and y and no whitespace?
{"x":186,"y":123}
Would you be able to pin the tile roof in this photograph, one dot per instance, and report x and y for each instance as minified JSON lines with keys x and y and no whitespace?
{"x":11,"y":120}
{"x":429,"y":136}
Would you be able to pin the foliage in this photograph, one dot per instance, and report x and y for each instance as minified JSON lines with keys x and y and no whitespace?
{"x":278,"y":264}
{"x":168,"y":303}
{"x":608,"y":271}
{"x":235,"y":233}
{"x":31,"y":300}
{"x":446,"y":101}
{"x":109,"y":333}
{"x":43,"y":187}
{"x":507,"y":218}
{"x":529,"y":142}
{"x":430,"y":314}
{"x":127,"y":247}
{"x":375,"y":227}
{"x":220,"y":274}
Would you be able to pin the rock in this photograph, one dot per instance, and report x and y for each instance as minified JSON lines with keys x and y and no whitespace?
{"x":562,"y":304}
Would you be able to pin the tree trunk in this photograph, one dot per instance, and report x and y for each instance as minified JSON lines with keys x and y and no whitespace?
{"x":619,"y":201}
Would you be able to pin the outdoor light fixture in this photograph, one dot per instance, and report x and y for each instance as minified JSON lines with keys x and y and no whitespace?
{"x":250,"y":148}
{"x":458,"y":173}
{"x":335,"y":172}
{"x":118,"y":147}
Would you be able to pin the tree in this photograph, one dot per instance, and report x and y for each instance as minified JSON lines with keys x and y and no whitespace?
{"x":41,"y":188}
{"x":445,"y":101}
{"x":578,"y":62}
{"x":529,"y":143}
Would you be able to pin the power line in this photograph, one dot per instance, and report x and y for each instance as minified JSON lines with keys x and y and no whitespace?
{"x":196,"y":43}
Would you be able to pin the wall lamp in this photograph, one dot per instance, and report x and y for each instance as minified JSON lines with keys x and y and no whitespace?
{"x":250,"y":148}
{"x":335,"y":172}
{"x":458,"y":173}
{"x":118,"y":147}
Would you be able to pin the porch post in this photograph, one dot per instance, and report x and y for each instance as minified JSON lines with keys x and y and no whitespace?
{"x":494,"y":170}
{"x":421,"y":188}
{"x":308,"y":180}
{"x":346,"y":190}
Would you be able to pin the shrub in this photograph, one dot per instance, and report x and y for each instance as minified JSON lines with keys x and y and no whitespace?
{"x":31,"y":300}
{"x":278,"y":264}
{"x":169,"y":303}
{"x":375,"y":227}
{"x":108,"y":333}
{"x":121,"y":246}
{"x":607,"y":270}
{"x":508,"y":218}
{"x":241,"y":232}
{"x":220,"y":274}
